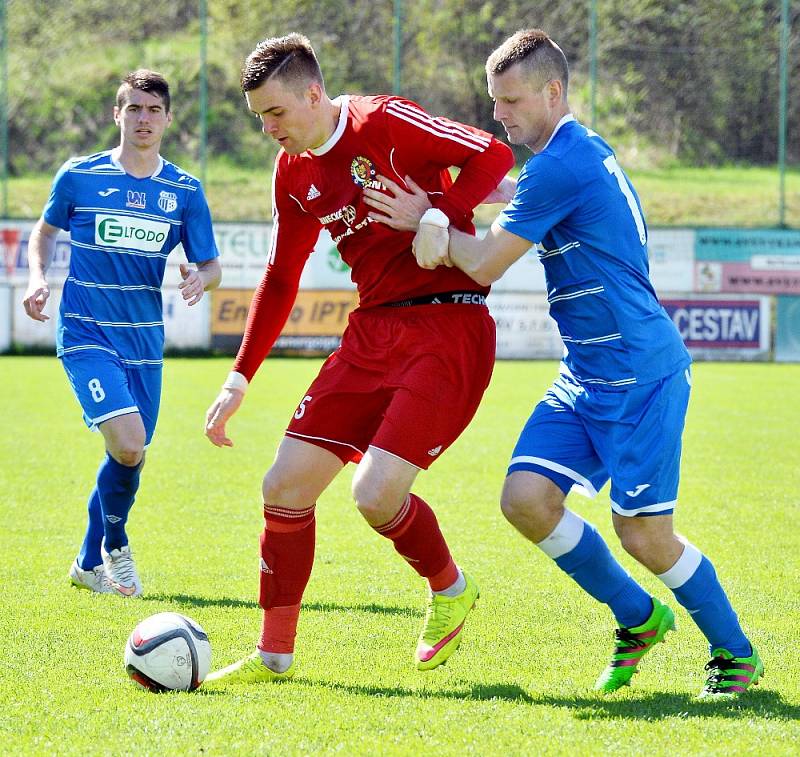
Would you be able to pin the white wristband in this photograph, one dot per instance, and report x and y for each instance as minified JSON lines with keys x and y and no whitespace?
{"x":237,"y":381}
{"x":435,"y":217}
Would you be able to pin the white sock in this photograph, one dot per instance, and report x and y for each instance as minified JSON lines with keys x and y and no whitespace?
{"x":277,"y":662}
{"x":455,"y":588}
{"x":684,"y":567}
{"x":564,"y":537}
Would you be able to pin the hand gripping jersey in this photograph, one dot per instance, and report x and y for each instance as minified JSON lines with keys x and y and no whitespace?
{"x":122,"y":230}
{"x":575,"y":203}
{"x":377,"y":135}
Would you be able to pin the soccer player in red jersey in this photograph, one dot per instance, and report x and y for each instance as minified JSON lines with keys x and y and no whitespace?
{"x":415,"y":358}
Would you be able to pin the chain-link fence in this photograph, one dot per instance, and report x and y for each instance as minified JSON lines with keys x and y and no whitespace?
{"x":700,"y":99}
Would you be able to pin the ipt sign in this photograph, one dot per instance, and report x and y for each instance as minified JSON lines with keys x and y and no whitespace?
{"x":132,"y":233}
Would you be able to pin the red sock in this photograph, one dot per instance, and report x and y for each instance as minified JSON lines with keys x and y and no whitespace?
{"x":278,"y":629}
{"x":287,"y":554}
{"x":417,"y":537}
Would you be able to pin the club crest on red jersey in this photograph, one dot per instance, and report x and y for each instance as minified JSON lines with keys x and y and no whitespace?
{"x":362,"y":171}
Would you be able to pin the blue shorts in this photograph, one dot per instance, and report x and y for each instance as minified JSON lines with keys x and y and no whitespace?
{"x":581,"y":436}
{"x":105,"y":388}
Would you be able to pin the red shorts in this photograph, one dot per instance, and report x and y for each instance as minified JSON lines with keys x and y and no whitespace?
{"x":406,"y":380}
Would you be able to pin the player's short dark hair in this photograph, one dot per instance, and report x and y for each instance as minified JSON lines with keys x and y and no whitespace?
{"x":145,"y":80}
{"x":291,"y":58}
{"x":537,"y":53}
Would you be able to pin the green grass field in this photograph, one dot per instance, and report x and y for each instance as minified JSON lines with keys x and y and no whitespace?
{"x":521,"y":683}
{"x":677,"y":196}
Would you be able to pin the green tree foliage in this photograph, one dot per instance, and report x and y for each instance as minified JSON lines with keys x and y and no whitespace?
{"x":706,"y":79}
{"x":686,"y":81}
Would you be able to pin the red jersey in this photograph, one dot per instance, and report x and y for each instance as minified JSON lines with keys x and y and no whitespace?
{"x":324,"y":187}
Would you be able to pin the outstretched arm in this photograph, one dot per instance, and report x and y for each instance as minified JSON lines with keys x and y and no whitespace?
{"x":485,"y":260}
{"x":294,"y":234}
{"x":402,"y":209}
{"x":272,"y":302}
{"x":406,"y":210}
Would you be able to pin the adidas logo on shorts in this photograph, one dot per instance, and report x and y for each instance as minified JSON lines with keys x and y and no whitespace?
{"x":313,"y":193}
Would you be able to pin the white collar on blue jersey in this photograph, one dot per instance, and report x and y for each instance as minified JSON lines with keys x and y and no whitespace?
{"x":115,"y":160}
{"x":565,"y":120}
{"x":328,"y":144}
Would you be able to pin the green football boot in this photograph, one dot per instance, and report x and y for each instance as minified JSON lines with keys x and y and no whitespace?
{"x":444,"y":624}
{"x":251,"y":669}
{"x":730,"y":676}
{"x":632,"y":644}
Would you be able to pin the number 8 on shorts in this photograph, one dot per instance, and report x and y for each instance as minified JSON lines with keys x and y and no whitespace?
{"x":98,"y":395}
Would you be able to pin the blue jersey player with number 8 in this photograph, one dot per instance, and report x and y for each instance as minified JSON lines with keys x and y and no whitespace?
{"x":617,"y":409}
{"x":125,"y":209}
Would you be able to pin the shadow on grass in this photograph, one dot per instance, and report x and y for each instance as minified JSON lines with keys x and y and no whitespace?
{"x":372,"y":608}
{"x":478,"y":692}
{"x":659,"y":706}
{"x":188,"y":599}
{"x":655,"y":706}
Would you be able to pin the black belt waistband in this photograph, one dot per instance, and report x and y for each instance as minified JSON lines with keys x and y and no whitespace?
{"x":440,"y":298}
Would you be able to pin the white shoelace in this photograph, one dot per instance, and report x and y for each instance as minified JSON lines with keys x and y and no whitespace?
{"x":123,"y":569}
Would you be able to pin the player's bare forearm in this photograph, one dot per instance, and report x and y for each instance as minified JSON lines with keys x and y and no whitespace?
{"x":466,"y":252}
{"x":486,"y":260}
{"x":195,"y":283}
{"x":41,"y":246}
{"x":220,"y":412}
{"x":210,"y":272}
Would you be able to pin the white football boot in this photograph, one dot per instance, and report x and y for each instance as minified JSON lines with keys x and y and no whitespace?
{"x":93,"y":580}
{"x":121,"y":571}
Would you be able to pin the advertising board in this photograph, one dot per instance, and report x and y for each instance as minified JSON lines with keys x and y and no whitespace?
{"x":722,"y":328}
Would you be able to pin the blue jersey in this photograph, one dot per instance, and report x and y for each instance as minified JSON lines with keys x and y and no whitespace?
{"x":574,"y":201}
{"x":122,"y":230}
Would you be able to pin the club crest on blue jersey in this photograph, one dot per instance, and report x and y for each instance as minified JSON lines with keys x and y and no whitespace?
{"x":168,"y":201}
{"x":136,"y":199}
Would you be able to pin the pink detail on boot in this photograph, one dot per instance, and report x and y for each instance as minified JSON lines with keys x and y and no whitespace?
{"x":431,"y":651}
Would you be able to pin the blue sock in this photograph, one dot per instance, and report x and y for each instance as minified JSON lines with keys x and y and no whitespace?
{"x":580,"y":552}
{"x":89,"y":556}
{"x":695,"y":585}
{"x":117,"y":485}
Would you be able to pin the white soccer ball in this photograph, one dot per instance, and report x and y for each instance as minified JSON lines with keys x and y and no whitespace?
{"x":168,"y":651}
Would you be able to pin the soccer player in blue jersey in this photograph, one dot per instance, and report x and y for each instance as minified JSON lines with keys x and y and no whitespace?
{"x":125,"y":210}
{"x":617,"y":408}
